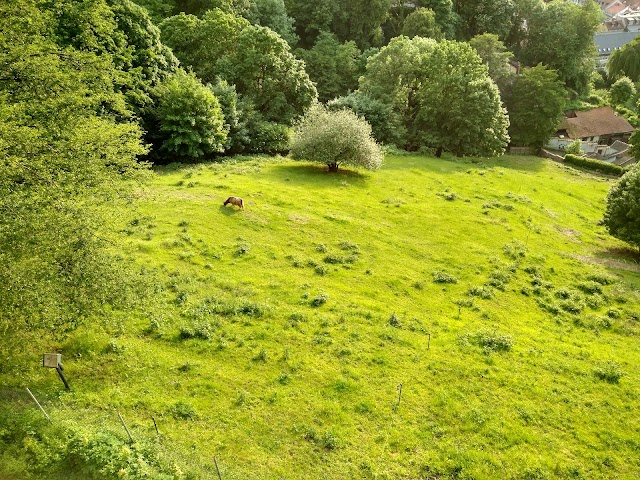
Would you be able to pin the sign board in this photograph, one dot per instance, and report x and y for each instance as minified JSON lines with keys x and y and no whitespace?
{"x":51,"y":360}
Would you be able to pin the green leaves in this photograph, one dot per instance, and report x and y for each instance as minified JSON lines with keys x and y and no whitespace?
{"x":535,"y":103}
{"x":622,"y":214}
{"x":335,"y":138}
{"x":442,"y":95}
{"x":188,"y":117}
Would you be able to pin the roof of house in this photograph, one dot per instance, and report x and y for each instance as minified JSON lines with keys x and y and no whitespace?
{"x":596,"y":122}
{"x":608,"y":42}
{"x":619,"y":146}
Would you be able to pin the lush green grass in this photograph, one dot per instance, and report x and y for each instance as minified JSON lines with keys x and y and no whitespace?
{"x":522,"y":384}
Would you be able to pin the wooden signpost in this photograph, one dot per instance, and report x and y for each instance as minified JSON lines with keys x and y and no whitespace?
{"x":54,"y":360}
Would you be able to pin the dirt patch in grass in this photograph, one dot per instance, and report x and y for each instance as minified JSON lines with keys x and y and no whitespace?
{"x":620,"y":264}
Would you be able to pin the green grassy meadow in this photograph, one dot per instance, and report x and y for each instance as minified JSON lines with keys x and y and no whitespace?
{"x":280,"y":334}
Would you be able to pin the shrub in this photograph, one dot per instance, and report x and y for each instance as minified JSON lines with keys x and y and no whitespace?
{"x":442,"y":277}
{"x":622,"y":213}
{"x":609,"y":372}
{"x":183,"y":410}
{"x":515,"y":250}
{"x":490,"y":341}
{"x":590,"y":287}
{"x":483,"y":292}
{"x":187,"y":120}
{"x":335,"y":138}
{"x":601,"y":278}
{"x":394,"y":321}
{"x":574,"y":148}
{"x":592,"y":164}
{"x":319,"y":300}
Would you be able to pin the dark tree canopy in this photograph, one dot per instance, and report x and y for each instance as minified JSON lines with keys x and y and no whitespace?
{"x":547,"y":43}
{"x":622,"y":213}
{"x":358,"y":20}
{"x":626,"y":61}
{"x":224,"y":46}
{"x":485,"y":16}
{"x":535,"y":103}
{"x":333,"y":66}
{"x":440,"y":93}
{"x":421,"y":23}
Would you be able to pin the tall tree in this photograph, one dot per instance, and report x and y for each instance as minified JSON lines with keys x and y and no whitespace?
{"x":626,"y":62}
{"x":446,"y":17}
{"x":622,"y":213}
{"x":535,"y":103}
{"x":494,"y":54}
{"x":358,"y":20}
{"x":272,"y":14}
{"x":187,"y":119}
{"x":422,"y":23}
{"x":548,"y":41}
{"x":333,"y":66}
{"x":523,"y":11}
{"x":623,"y":92}
{"x":63,"y":161}
{"x":223,"y":46}
{"x":485,"y":16}
{"x":442,"y":94}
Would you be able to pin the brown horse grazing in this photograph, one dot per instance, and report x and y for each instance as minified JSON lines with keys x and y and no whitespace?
{"x":237,"y":201}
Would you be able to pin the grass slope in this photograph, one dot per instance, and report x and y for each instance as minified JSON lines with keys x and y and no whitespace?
{"x":282,"y":332}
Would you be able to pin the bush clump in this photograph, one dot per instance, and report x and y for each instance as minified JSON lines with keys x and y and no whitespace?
{"x":609,"y":372}
{"x":592,"y":164}
{"x":319,"y":300}
{"x":442,"y":277}
{"x":490,"y":341}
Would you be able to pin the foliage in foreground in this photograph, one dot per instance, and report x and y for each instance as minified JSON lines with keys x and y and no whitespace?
{"x":622,"y":214}
{"x":336,"y":138}
{"x":65,"y":171}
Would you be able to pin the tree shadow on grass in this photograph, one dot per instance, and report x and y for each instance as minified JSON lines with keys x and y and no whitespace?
{"x":319,"y":175}
{"x":451,"y":164}
{"x":619,"y":258}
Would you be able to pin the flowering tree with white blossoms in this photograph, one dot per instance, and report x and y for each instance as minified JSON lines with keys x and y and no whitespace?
{"x":335,"y":138}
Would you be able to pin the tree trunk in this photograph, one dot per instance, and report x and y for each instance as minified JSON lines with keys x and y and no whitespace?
{"x":439,"y":152}
{"x":333,"y":167}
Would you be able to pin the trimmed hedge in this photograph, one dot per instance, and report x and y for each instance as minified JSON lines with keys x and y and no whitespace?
{"x":592,"y":164}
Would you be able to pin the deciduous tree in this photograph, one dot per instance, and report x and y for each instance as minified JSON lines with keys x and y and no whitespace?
{"x":485,"y":16}
{"x":188,"y":121}
{"x":494,"y":54}
{"x":535,"y":103}
{"x":421,"y":23}
{"x":547,"y":41}
{"x":441,"y":95}
{"x":626,"y":61}
{"x":333,"y":66}
{"x":622,"y":213}
{"x":623,"y":92}
{"x":65,"y":165}
{"x":255,"y":59}
{"x":335,"y":138}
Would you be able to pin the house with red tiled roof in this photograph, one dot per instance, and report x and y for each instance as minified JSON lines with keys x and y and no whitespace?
{"x":601,"y":125}
{"x":596,"y":129}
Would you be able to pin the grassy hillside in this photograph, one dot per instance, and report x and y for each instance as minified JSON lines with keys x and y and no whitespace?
{"x":281,"y":333}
